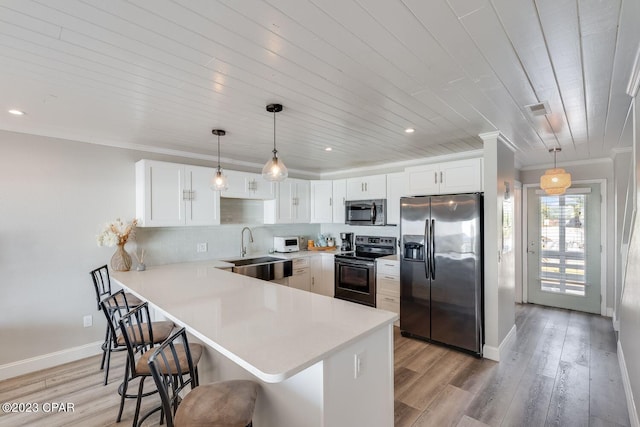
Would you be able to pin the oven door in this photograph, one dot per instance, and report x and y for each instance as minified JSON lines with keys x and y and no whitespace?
{"x":355,"y":280}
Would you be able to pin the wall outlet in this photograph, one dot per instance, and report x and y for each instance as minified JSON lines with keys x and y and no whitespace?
{"x":87,"y":320}
{"x":202,"y":247}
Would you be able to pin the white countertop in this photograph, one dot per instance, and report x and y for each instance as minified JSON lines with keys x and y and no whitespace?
{"x":271,"y":330}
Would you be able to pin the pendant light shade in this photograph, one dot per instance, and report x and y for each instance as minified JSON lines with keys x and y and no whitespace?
{"x":219,"y":180}
{"x":274,"y":170}
{"x":555,"y":181}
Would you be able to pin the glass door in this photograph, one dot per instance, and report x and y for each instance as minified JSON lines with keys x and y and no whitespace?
{"x":564,"y":252}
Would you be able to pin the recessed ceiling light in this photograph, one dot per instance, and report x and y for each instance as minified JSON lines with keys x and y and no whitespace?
{"x":409,"y":130}
{"x":328,"y":149}
{"x":16,"y":112}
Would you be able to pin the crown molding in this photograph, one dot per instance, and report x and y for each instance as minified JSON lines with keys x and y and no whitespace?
{"x":399,"y":166}
{"x":158,"y":150}
{"x":621,"y":150}
{"x":488,"y":136}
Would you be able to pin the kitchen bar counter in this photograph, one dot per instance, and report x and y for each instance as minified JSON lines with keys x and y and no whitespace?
{"x":308,"y":344}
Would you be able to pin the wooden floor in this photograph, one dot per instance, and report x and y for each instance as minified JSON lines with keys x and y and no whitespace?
{"x":562,"y":371}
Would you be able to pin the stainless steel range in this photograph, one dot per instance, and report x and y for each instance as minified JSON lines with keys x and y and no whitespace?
{"x":355,"y":273}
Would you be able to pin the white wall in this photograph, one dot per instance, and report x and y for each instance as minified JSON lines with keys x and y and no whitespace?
{"x":499,"y":273}
{"x":629,"y":342}
{"x":622,"y":212}
{"x":54,"y":197}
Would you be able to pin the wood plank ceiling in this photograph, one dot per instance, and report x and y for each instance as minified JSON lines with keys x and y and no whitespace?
{"x":351,"y":74}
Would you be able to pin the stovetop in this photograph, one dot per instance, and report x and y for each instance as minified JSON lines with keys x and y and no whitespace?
{"x":368,"y":248}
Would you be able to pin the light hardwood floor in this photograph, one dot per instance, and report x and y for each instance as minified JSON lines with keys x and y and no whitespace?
{"x":562,"y":371}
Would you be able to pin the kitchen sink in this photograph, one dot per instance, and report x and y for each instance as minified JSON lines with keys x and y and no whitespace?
{"x":265,"y":268}
{"x":259,"y":260}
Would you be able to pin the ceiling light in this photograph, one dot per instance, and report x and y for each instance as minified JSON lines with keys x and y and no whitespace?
{"x":409,"y":130}
{"x":16,"y":112}
{"x":274,"y":170}
{"x":555,"y":181}
{"x":219,"y":181}
{"x":328,"y":149}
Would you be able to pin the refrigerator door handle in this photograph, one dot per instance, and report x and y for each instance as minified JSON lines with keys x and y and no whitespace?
{"x":427,"y":255}
{"x":433,"y":249}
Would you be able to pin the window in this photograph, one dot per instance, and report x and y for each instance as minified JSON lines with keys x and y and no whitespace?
{"x":563,"y":244}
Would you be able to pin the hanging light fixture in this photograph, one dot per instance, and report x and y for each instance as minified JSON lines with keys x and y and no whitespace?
{"x":219,"y":181}
{"x":555,"y":181}
{"x":274,"y":170}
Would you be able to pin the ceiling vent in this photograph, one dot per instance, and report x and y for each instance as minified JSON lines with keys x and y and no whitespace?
{"x":540,"y":109}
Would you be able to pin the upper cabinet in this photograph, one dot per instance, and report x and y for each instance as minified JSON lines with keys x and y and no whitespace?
{"x":170,"y":194}
{"x":460,"y":176}
{"x":396,"y":183}
{"x":246,"y":185}
{"x":321,"y":200}
{"x":291,"y":205}
{"x":339,"y":200}
{"x":367,"y":187}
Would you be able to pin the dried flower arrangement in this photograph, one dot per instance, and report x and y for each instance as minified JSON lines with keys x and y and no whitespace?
{"x":116,"y":233}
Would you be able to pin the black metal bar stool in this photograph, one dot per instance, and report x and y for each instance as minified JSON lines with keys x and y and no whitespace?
{"x":114,"y":308}
{"x":219,"y":404}
{"x":102,"y":286}
{"x":140,"y":338}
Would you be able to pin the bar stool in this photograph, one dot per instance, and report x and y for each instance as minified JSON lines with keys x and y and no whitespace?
{"x":219,"y":404}
{"x":139,"y":335}
{"x":102,"y":286}
{"x":114,"y":308}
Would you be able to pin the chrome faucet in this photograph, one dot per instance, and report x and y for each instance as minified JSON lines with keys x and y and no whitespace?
{"x":244,"y":248}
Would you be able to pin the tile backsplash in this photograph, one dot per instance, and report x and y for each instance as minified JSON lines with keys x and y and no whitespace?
{"x":166,"y":245}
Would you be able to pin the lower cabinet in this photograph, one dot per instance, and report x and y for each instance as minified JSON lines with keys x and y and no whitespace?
{"x":322,"y":275}
{"x":388,"y":286}
{"x":313,"y":273}
{"x":301,"y":276}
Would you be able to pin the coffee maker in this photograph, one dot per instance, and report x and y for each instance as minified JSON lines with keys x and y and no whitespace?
{"x":347,"y":242}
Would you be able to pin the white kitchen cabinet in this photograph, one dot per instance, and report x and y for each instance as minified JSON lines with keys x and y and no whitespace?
{"x":460,"y":176}
{"x":291,"y":204}
{"x":395,"y":190}
{"x":339,"y":200}
{"x":321,"y":200}
{"x":388,"y":285}
{"x":322,"y":274}
{"x":171,"y":194}
{"x":246,"y":185}
{"x":301,"y":276}
{"x":367,"y":187}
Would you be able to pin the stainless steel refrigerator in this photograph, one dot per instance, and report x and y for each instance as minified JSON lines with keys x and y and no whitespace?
{"x":441,"y":270}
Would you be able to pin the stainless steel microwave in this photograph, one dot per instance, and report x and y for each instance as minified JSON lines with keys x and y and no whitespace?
{"x":366,"y":212}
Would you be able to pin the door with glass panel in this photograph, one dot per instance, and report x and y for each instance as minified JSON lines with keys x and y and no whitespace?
{"x":563,"y":248}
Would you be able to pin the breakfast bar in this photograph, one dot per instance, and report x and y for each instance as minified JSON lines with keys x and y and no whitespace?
{"x":320,"y":361}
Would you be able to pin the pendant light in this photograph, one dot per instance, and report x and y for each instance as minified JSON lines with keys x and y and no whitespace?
{"x":274,"y":170}
{"x":555,"y":181}
{"x":219,"y":181}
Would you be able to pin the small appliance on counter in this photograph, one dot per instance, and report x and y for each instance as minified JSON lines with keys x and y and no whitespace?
{"x":347,"y":242}
{"x":286,"y":243}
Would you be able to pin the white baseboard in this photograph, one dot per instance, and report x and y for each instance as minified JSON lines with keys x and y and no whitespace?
{"x":633,"y":411}
{"x":609,"y":312}
{"x":493,"y":353}
{"x":50,"y":360}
